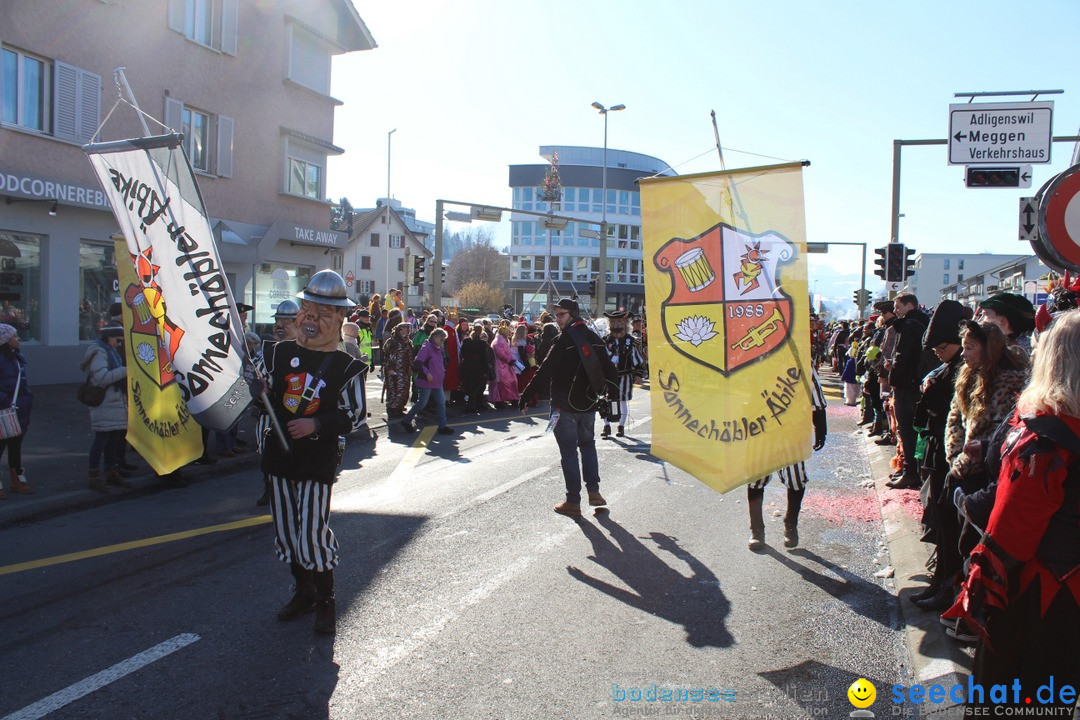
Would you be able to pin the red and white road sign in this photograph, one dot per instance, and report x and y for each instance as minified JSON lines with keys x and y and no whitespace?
{"x":349,"y":278}
{"x":1059,"y":215}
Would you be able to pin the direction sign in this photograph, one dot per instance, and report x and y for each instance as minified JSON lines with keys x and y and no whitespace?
{"x":996,"y":133}
{"x":1029,"y":216}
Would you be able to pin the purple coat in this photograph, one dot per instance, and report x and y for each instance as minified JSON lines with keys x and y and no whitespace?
{"x":430,"y":359}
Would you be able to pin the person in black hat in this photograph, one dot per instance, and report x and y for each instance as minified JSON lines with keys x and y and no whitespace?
{"x":1014,"y":314}
{"x":580,"y":374}
{"x":629,"y":361}
{"x":931,"y":414}
{"x":242,"y":310}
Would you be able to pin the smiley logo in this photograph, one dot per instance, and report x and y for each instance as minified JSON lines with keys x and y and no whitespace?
{"x":862,"y":693}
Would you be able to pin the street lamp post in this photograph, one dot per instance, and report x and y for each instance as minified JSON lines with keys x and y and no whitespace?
{"x":387,"y":211}
{"x":600,"y":301}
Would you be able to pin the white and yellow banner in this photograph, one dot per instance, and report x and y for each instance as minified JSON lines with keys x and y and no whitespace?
{"x":728,"y":317}
{"x":160,"y":427}
{"x":155,"y":198}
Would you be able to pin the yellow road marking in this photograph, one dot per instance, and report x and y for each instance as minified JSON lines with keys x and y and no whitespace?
{"x":413,"y":454}
{"x":133,"y":545}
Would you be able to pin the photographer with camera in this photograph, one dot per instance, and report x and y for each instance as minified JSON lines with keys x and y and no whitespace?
{"x":580,"y":374}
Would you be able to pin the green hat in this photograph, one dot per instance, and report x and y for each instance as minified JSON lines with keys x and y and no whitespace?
{"x":1017,"y":308}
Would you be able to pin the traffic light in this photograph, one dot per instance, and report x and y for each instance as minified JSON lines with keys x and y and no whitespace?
{"x":992,"y":177}
{"x":856,"y":297}
{"x":894,"y":263}
{"x":909,"y":262}
{"x":880,"y":262}
{"x":418,"y":271}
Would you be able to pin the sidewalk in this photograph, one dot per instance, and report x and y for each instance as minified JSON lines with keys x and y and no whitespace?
{"x":935,"y":657}
{"x":55,"y":457}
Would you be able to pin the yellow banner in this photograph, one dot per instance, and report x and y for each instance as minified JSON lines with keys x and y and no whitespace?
{"x":728,"y":316}
{"x":160,"y":427}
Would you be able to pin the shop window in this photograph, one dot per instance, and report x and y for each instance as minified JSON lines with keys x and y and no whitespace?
{"x":98,"y":286}
{"x":20,"y":283}
{"x":274,"y":282}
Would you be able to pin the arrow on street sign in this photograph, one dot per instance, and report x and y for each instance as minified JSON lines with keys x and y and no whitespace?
{"x":1029,"y":215}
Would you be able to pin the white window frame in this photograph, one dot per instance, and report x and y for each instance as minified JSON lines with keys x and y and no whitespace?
{"x":21,"y":58}
{"x":318,"y":82}
{"x":218,"y":140}
{"x":223,"y":16}
{"x":367,"y":287}
{"x":396,"y":241}
{"x":305,"y":169}
{"x":196,"y":141}
{"x":71,"y":99}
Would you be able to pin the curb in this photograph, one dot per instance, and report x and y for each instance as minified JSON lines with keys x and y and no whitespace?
{"x":934,"y":657}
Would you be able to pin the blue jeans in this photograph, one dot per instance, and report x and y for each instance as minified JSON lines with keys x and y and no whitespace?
{"x":109,"y":444}
{"x":422,"y":401}
{"x":574,"y":432}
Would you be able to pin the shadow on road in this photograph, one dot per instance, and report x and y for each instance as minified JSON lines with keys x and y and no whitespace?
{"x":695,"y":602}
{"x":866,"y":598}
{"x":815,"y":687}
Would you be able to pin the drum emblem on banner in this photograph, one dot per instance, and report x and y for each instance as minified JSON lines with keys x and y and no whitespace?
{"x":726,"y":308}
{"x":150,"y":351}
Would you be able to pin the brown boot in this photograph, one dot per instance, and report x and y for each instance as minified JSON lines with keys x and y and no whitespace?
{"x":97,"y":484}
{"x":572,"y":509}
{"x":18,"y":483}
{"x":113,"y":477}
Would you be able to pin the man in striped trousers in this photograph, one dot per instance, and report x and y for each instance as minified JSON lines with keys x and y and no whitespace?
{"x":317,"y":394}
{"x":794,"y":479}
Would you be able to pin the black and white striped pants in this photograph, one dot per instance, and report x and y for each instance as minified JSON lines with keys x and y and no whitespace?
{"x":793,"y":476}
{"x":301,"y":515}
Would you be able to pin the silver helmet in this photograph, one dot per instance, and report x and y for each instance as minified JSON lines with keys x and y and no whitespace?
{"x":326,"y":288}
{"x":286,"y":310}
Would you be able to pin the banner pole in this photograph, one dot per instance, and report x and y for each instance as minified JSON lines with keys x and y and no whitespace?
{"x":118,"y":73}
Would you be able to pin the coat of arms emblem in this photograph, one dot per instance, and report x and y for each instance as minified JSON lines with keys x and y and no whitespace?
{"x":726,"y":308}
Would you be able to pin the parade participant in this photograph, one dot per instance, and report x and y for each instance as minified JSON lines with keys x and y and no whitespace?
{"x":108,"y":420}
{"x":793,"y":477}
{"x":625,"y":353}
{"x":397,"y":365}
{"x":430,"y":371}
{"x":285,"y":320}
{"x":503,"y":388}
{"x":317,"y":394}
{"x":284,"y":329}
{"x":364,"y":336}
{"x":579,"y":374}
{"x":1022,"y":588}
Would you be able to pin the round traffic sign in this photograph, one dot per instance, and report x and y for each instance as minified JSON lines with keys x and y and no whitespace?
{"x":1059,"y":217}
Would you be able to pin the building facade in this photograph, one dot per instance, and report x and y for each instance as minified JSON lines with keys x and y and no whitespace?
{"x":1026,"y":276}
{"x":246,"y":82}
{"x":935,"y":271}
{"x":379,"y":252}
{"x":575,"y":257}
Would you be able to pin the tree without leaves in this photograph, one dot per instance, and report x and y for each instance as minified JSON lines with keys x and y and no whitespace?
{"x":480,"y":295}
{"x":481,"y":263}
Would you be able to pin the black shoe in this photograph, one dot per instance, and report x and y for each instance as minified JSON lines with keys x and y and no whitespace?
{"x":303,"y":601}
{"x":620,"y":432}
{"x":408,"y":427}
{"x":446,"y":431}
{"x":606,"y":432}
{"x":943,"y":599}
{"x":904,"y":484}
{"x":885,"y":440}
{"x":791,"y":536}
{"x":205,"y":460}
{"x":174,"y":480}
{"x":264,"y":500}
{"x":927,"y":592}
{"x":326,"y":616}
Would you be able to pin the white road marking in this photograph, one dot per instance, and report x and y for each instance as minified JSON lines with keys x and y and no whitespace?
{"x":95,"y":682}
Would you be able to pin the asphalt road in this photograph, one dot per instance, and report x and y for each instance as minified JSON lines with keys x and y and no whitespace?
{"x":460,"y":594}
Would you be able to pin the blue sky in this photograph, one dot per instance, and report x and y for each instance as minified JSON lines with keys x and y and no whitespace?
{"x":474,"y":86}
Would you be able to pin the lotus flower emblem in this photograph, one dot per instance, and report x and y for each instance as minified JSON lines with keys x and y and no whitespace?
{"x":145,"y":353}
{"x":695,"y":330}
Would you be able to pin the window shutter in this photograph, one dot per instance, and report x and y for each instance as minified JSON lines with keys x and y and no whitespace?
{"x":228,"y":26}
{"x":89,"y":105}
{"x":176,"y":15}
{"x":65,"y":100}
{"x":224,"y":146}
{"x":174,"y":118}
